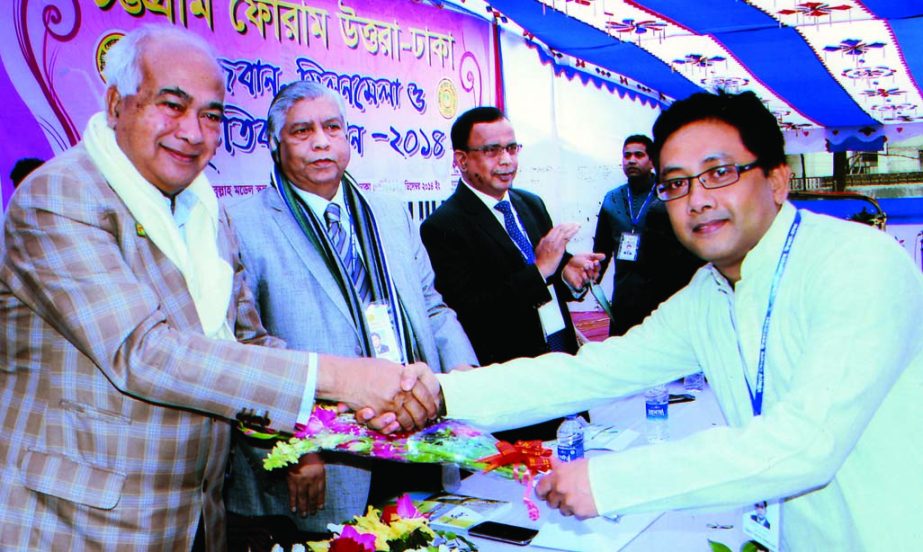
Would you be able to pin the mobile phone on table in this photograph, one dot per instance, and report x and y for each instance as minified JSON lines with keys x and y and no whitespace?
{"x":503,"y":532}
{"x":685,"y":397}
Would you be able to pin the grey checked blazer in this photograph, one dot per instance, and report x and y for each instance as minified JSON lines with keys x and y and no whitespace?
{"x":114,"y":406}
{"x":299,"y":301}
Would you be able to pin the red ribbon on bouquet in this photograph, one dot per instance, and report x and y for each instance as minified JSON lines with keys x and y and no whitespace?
{"x":527,"y":456}
{"x":532,"y":454}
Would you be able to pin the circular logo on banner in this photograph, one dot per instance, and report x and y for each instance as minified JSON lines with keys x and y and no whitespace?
{"x":447,"y":98}
{"x":102,"y":48}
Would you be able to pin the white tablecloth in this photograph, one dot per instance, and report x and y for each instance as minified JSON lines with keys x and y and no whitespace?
{"x":687,"y":530}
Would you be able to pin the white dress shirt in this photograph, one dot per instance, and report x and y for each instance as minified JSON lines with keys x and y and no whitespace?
{"x":318,"y":206}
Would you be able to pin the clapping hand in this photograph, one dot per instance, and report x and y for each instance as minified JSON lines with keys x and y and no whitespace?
{"x":550,"y":249}
{"x":582,"y":269}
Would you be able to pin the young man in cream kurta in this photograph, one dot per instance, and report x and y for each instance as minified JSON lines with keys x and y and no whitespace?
{"x":839,"y":423}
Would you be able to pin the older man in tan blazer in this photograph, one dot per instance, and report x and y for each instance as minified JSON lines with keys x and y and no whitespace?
{"x":128,"y":336}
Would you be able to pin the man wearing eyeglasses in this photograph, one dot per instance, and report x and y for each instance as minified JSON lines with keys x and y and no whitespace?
{"x":498,"y":259}
{"x":633,"y":230}
{"x":806,"y":326}
{"x":336,"y":271}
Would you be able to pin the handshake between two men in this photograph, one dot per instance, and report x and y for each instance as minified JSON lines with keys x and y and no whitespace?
{"x":388,"y":397}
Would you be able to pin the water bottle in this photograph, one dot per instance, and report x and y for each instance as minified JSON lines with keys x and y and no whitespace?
{"x":570,"y":439}
{"x":451,"y":477}
{"x":656,"y":403}
{"x":694,"y":383}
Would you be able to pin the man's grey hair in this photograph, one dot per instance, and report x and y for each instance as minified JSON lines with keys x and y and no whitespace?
{"x":292,"y":94}
{"x":123,"y":60}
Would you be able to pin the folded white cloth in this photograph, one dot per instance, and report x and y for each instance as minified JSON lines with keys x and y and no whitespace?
{"x":208,"y":276}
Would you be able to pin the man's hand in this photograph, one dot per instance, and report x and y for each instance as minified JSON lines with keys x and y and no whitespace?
{"x":366,"y":382}
{"x":421,"y":400}
{"x":307,"y":484}
{"x":582,"y":269}
{"x":567,"y":488}
{"x":418,"y":401}
{"x":550,"y":249}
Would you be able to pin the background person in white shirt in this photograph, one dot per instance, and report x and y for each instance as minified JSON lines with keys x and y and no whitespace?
{"x":843,"y":363}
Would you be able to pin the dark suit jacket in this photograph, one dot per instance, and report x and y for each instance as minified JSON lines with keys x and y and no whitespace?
{"x":662,"y":268}
{"x":482,"y":275}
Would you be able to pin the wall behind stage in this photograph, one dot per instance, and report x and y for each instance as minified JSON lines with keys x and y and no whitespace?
{"x":572,"y":127}
{"x":404,"y":69}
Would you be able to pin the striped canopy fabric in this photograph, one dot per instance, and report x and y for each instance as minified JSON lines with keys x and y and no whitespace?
{"x":843,"y":74}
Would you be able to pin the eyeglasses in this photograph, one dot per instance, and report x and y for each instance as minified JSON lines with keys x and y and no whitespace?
{"x":493,"y":150}
{"x":715,"y":177}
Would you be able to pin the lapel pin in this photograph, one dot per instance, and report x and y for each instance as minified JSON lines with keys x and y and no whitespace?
{"x":140,"y":230}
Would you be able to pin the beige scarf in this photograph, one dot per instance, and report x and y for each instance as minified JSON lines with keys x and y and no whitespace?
{"x":208,"y":276}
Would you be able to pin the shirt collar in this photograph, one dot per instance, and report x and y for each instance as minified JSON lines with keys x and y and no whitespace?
{"x":318,"y":204}
{"x":181,"y":205}
{"x":489,"y":201}
{"x":764,"y":256}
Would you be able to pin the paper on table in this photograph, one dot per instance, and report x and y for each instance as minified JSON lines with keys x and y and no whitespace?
{"x":591,"y":535}
{"x":601,"y":437}
{"x":607,"y":437}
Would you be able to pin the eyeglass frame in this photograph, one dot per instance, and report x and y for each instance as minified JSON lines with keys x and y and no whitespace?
{"x":740,"y":169}
{"x":493,"y":150}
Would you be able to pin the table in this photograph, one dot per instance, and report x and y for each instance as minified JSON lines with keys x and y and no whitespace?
{"x":685,"y":530}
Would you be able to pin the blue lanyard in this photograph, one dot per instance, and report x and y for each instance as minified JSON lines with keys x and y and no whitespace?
{"x":756,"y":398}
{"x":635,"y":220}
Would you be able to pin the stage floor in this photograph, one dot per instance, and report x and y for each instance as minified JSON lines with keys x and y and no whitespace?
{"x":594,"y":325}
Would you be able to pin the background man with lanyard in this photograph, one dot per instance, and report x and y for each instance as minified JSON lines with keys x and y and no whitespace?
{"x":650,"y":264}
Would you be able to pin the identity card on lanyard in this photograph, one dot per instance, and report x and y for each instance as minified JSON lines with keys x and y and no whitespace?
{"x":382,"y":331}
{"x":763,"y":523}
{"x":630,"y":242}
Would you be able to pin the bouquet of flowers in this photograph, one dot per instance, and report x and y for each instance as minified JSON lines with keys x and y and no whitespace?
{"x":446,"y":441}
{"x":396,"y":528}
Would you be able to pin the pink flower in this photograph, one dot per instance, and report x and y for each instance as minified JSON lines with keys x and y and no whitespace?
{"x":344,"y":428}
{"x":467,"y":432}
{"x":382,"y":449}
{"x":320,"y":419}
{"x":351,"y":540}
{"x":406,"y":509}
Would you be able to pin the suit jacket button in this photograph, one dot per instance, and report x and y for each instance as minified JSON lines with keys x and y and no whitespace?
{"x":358,"y":350}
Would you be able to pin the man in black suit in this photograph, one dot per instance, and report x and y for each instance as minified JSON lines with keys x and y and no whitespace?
{"x":499,"y":261}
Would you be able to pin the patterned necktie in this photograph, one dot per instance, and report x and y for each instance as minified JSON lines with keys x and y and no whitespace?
{"x":344,"y":248}
{"x":556,"y":341}
{"x":521,"y":241}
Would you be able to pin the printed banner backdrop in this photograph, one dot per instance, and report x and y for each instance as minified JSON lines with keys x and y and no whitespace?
{"x":404,"y":69}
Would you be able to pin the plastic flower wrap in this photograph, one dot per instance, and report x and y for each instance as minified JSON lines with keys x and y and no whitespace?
{"x":397,"y":528}
{"x":447,"y":441}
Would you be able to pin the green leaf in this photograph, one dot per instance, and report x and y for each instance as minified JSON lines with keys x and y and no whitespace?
{"x":752,"y":546}
{"x":718,"y":547}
